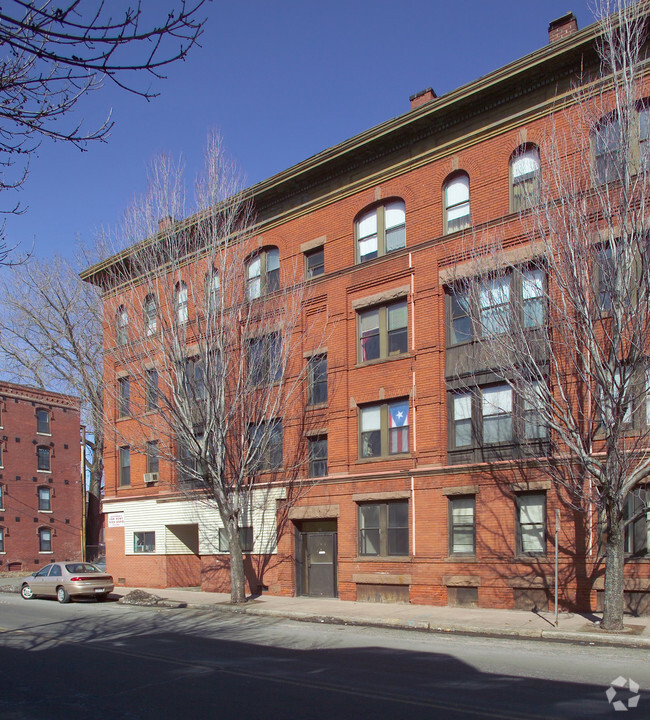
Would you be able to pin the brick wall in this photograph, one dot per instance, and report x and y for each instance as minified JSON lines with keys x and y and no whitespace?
{"x":20,"y":518}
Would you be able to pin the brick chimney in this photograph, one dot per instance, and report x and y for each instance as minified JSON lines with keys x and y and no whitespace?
{"x":562,"y":27}
{"x":165,"y":223}
{"x":424,"y":96}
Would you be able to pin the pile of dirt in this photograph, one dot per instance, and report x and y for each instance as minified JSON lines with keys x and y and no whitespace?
{"x":145,"y":599}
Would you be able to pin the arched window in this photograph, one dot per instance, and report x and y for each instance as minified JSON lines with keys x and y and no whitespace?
{"x":44,"y":499}
{"x":381,"y":230}
{"x":524,"y":177}
{"x":122,"y":322}
{"x":212,"y":290}
{"x":606,"y":143}
{"x":43,"y":458}
{"x":181,"y":303}
{"x":42,"y":422}
{"x":150,"y":314}
{"x":263,"y":273}
{"x":456,"y":202}
{"x":44,"y":540}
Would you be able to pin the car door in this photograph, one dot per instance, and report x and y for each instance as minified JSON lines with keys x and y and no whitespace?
{"x":38,"y":582}
{"x":54,"y":579}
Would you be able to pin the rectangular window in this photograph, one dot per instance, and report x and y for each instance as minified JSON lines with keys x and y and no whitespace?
{"x":266,"y":446}
{"x":151,"y":390}
{"x":531,"y":523}
{"x":44,"y":501}
{"x":144,"y":542}
{"x":462,"y":527}
{"x":636,"y":515}
{"x":2,"y":540}
{"x":124,"y":403}
{"x":384,"y":528}
{"x":315,"y":262}
{"x":317,"y":379}
{"x":195,"y":379}
{"x":606,"y":271}
{"x":125,"y":465}
{"x":43,"y":458}
{"x":43,"y":422}
{"x":461,"y":321}
{"x":265,"y":359}
{"x":152,"y":456}
{"x":44,"y":540}
{"x":245,"y":540}
{"x":384,"y":429}
{"x":2,"y":498}
{"x":497,"y":414}
{"x":383,"y":332}
{"x":462,"y":409}
{"x":317,"y":456}
{"x":535,"y":427}
{"x":494,"y":303}
{"x":532,"y":293}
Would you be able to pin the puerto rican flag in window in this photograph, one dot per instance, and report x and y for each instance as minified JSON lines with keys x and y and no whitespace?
{"x":398,"y":427}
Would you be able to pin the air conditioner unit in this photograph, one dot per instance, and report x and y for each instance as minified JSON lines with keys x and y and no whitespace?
{"x":150,"y":478}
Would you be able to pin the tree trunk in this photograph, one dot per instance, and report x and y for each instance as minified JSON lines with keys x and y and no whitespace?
{"x":614,"y":567}
{"x":237,"y":577}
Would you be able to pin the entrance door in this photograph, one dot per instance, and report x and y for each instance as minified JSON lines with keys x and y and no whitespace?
{"x":320,"y":558}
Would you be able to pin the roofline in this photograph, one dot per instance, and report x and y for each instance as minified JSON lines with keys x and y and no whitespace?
{"x":583,"y":37}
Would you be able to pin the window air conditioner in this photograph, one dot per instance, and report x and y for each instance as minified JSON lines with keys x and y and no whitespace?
{"x":150,"y":478}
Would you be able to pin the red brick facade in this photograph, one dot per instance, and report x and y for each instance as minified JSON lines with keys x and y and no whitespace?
{"x":40,"y":478}
{"x":476,"y":130}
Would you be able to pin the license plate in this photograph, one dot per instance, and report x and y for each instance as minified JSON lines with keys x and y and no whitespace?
{"x":99,"y":589}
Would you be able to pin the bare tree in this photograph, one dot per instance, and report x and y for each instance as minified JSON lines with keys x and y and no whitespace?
{"x":54,"y":54}
{"x":51,"y":337}
{"x":563,"y":322}
{"x":209,"y":328}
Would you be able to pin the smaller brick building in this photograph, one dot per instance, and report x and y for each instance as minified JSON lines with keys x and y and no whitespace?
{"x":41,"y":495}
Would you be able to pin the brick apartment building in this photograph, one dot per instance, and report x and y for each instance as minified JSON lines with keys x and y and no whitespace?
{"x":403,"y":509}
{"x":40,"y":478}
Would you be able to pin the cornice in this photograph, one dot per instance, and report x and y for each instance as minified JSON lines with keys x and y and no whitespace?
{"x":543,"y":67}
{"x":38,"y":395}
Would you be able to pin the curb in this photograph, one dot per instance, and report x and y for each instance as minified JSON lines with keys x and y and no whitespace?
{"x":558,"y":636}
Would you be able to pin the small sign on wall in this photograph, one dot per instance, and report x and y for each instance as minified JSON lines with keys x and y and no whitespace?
{"x":115,"y":519}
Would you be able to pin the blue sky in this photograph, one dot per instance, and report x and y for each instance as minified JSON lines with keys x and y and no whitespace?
{"x":281,"y":81}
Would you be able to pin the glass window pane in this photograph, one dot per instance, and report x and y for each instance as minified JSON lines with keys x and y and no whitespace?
{"x":395,"y":214}
{"x":531,"y":508}
{"x":254,"y":268}
{"x":369,"y":516}
{"x":397,"y":316}
{"x":395,"y":238}
{"x":398,"y":515}
{"x":367,"y":225}
{"x":398,"y":541}
{"x":272,"y":259}
{"x":457,"y":191}
{"x":368,"y":248}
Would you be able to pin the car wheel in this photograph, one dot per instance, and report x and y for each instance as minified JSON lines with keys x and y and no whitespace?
{"x":26,"y":592}
{"x":62,"y":595}
{"x":101,"y":597}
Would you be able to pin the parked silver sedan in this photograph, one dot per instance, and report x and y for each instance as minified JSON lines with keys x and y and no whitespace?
{"x":64,"y":580}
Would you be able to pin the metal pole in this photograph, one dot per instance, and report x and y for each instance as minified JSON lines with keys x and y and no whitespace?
{"x":557,"y":533}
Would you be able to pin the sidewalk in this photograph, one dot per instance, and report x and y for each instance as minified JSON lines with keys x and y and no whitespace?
{"x":577,"y":628}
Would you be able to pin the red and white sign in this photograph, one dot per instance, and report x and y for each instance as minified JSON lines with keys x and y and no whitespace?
{"x":116,"y":519}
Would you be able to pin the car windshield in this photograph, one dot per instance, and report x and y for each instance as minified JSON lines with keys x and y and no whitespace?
{"x":82,"y":568}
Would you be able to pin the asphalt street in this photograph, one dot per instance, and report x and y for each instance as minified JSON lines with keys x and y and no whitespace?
{"x":108,"y":660}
